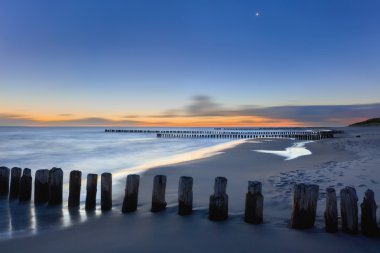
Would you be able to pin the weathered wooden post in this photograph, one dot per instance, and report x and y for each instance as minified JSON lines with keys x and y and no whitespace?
{"x":55,"y":186}
{"x":106,"y":191}
{"x":158,"y":195}
{"x":26,"y":185}
{"x":368,"y":218}
{"x":305,"y":197}
{"x":185,"y":196}
{"x":92,"y":182}
{"x":4,"y":181}
{"x":331,"y":212}
{"x":218,"y":207}
{"x":254,"y":203}
{"x":349,"y":210}
{"x":131,"y":193}
{"x":15,"y":183}
{"x":75,"y":184}
{"x":41,"y":186}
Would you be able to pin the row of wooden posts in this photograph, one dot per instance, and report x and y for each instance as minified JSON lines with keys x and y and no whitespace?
{"x":48,"y":189}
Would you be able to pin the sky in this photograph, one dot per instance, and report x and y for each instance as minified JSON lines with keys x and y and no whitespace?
{"x":189,"y":63}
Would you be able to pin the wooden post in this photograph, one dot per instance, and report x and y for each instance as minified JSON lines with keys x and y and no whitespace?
{"x":158,"y":196}
{"x":349,"y":210}
{"x":41,"y":186}
{"x":74,"y":188}
{"x":185,"y":196}
{"x":218,"y":207}
{"x":15,"y":183}
{"x":55,"y":186}
{"x":305,"y":197}
{"x":92,"y":182}
{"x":106,"y":191}
{"x":26,"y":185}
{"x":368,"y":218}
{"x":331,"y":212}
{"x":131,"y":193}
{"x":4,"y":181}
{"x":254,"y":203}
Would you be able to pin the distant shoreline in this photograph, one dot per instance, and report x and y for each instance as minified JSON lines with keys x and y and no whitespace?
{"x":374,"y":122}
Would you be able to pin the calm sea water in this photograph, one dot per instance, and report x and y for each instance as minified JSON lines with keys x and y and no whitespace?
{"x":90,"y":150}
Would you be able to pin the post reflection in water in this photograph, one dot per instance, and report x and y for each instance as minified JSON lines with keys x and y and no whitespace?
{"x":25,"y":218}
{"x":21,"y":217}
{"x":5,"y":218}
{"x":74,"y":216}
{"x":47,"y":217}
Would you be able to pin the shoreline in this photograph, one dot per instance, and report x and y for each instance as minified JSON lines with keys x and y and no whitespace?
{"x":201,"y":153}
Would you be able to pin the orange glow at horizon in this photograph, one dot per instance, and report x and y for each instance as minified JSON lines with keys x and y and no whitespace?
{"x":211,"y":121}
{"x":157,"y":121}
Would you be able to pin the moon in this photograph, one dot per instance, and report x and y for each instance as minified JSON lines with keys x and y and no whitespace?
{"x":257,"y":14}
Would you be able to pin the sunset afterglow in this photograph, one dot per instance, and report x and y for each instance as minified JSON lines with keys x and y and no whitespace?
{"x":251,"y":63}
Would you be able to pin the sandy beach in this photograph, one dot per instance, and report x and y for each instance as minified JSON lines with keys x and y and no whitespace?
{"x":345,"y":160}
{"x":189,"y":126}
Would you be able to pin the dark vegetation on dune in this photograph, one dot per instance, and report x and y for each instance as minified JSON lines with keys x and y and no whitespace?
{"x":369,"y":122}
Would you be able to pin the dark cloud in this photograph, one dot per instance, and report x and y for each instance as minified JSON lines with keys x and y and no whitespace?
{"x":206,"y":107}
{"x":169,"y":114}
{"x":93,"y":121}
{"x":20,"y":120}
{"x":202,"y":106}
{"x":14,"y":120}
{"x":315,"y":114}
{"x":130,"y":116}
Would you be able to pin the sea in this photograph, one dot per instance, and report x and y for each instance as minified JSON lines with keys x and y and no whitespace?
{"x":90,"y":150}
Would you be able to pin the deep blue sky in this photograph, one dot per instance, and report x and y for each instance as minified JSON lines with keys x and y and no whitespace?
{"x":112,"y":58}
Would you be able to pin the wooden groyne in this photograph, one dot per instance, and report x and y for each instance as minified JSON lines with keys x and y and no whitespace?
{"x":235,"y":133}
{"x":304,"y":208}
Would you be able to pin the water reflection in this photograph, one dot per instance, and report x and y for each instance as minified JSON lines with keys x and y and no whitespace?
{"x":5,"y":217}
{"x":25,"y":218}
{"x":21,"y":216}
{"x":48,"y":216}
{"x":75,"y":215}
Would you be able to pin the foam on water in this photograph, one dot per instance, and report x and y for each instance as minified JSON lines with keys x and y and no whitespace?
{"x":293,"y":152}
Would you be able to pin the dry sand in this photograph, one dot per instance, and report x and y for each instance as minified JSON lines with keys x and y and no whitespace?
{"x":338,"y":162}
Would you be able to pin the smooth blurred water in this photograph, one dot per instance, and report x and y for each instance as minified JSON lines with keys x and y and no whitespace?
{"x":90,"y":150}
{"x":87,"y":149}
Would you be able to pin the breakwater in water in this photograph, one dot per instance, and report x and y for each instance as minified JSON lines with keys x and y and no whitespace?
{"x":236,"y":133}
